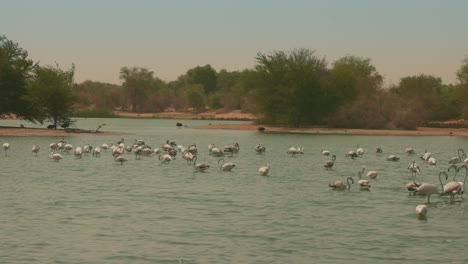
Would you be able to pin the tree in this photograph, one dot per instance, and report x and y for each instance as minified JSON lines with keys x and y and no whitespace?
{"x":205,"y":76}
{"x":195,"y":94}
{"x":15,"y":68}
{"x":50,"y":91}
{"x":291,"y":88}
{"x":462,"y":73}
{"x":349,"y":77}
{"x":136,"y":83}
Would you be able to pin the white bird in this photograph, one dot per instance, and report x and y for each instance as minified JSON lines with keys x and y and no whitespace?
{"x":55,"y":156}
{"x":293,"y":151}
{"x":325,"y":152}
{"x":359,"y":151}
{"x":105,"y":146}
{"x":426,"y":189}
{"x":165,"y":158}
{"x":421,"y":211}
{"x":393,"y":158}
{"x":68,"y":147}
{"x":228,"y":166}
{"x":200,"y":166}
{"x":340,"y":185}
{"x":363,"y":184}
{"x":6,"y":147}
{"x":426,"y":155}
{"x":414,"y":168}
{"x":233,"y":149}
{"x":78,"y":152}
{"x":371,"y":174}
{"x":329,"y":163}
{"x":35,"y":149}
{"x":260,"y":149}
{"x":432,"y":161}
{"x":409,"y":151}
{"x":352,"y":154}
{"x":216,"y":152}
{"x":379,"y":150}
{"x":120,"y":159}
{"x":451,"y":188}
{"x":188,"y":156}
{"x":264,"y":170}
{"x":97,"y":152}
{"x":412,"y":186}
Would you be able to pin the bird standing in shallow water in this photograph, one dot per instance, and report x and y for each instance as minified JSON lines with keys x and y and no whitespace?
{"x":421,"y":211}
{"x":329,"y":163}
{"x":264,"y":170}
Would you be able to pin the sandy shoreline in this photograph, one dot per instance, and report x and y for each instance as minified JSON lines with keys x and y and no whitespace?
{"x":237,"y":115}
{"x":421,"y":131}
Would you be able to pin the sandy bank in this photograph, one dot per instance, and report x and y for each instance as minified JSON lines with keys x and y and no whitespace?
{"x":421,"y":131}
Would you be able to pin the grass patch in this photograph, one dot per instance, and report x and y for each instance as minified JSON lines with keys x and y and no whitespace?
{"x":94,"y":112}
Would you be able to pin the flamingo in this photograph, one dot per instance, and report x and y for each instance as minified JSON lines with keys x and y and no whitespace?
{"x":53,"y":146}
{"x":165,"y":158}
{"x":6,"y":147}
{"x":120,"y":159}
{"x":105,"y":146}
{"x":413,"y":167}
{"x":455,"y":160}
{"x":293,"y":151}
{"x":464,"y":166}
{"x":35,"y":149}
{"x":260,"y":149}
{"x":352,"y":154}
{"x":233,"y":149}
{"x":216,"y":152}
{"x":409,"y":151}
{"x":325,"y":152}
{"x":450,"y":188}
{"x":432,"y":161}
{"x":68,"y":147}
{"x":393,"y":158}
{"x":379,"y":150}
{"x":200,"y":166}
{"x":188,"y":156}
{"x":226,"y":166}
{"x":426,"y":155}
{"x":97,"y":152}
{"x":171,"y":142}
{"x":371,"y":174}
{"x":421,"y":211}
{"x":364,"y":184}
{"x":78,"y":152}
{"x":340,"y":185}
{"x":210,"y":147}
{"x":264,"y":170}
{"x":412,"y":186}
{"x":55,"y":156}
{"x":359,"y":151}
{"x":426,"y":189}
{"x":329,"y":163}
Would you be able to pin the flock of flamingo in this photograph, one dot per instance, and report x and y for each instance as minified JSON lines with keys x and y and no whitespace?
{"x":170,"y":149}
{"x":450,"y":188}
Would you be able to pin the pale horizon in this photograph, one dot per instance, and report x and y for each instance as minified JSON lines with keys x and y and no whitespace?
{"x":402,"y":38}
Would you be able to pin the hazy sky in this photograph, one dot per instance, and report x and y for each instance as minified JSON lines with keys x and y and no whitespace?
{"x":401,"y":37}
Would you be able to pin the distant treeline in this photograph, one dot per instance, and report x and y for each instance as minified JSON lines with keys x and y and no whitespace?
{"x":289,"y":88}
{"x":295,"y":88}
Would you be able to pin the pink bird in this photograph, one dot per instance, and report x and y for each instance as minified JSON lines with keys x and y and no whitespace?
{"x":427,"y":189}
{"x":450,"y":188}
{"x":371,"y":174}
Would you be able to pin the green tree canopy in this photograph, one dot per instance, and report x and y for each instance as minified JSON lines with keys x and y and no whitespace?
{"x":203,"y":75}
{"x":136,"y":83}
{"x":50,"y":91}
{"x":291,"y":88}
{"x":15,"y":68}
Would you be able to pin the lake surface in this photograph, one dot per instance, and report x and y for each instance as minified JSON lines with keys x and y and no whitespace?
{"x":93,"y":210}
